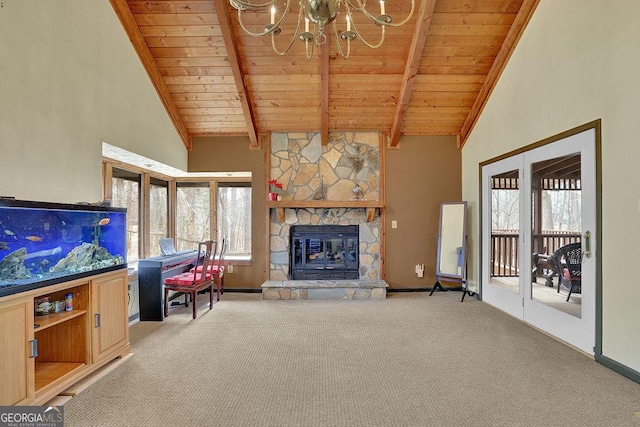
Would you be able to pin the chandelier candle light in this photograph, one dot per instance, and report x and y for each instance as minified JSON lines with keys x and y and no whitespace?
{"x":320,"y":13}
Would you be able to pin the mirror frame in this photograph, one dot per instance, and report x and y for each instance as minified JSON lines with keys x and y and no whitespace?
{"x":458,"y":241}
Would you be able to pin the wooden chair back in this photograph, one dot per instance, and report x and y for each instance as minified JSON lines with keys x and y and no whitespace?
{"x":204,"y":260}
{"x":223,"y":251}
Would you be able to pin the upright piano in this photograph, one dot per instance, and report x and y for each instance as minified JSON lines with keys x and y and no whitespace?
{"x":151,"y":275}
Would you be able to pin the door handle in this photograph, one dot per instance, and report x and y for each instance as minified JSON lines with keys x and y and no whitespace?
{"x":34,"y":349}
{"x":97,"y":316}
{"x":586,"y":249}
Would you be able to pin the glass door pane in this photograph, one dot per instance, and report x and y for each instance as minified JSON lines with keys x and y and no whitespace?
{"x":502,"y":224}
{"x":351,"y":255}
{"x":505,"y":231}
{"x":556,"y":213}
{"x":314,"y":252}
{"x":335,"y":253}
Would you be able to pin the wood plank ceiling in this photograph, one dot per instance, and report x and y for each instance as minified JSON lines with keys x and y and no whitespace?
{"x":432,"y":76}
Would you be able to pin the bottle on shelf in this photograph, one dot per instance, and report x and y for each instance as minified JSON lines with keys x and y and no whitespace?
{"x":69,"y":302}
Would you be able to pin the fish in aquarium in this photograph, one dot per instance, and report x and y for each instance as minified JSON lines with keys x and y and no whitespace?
{"x":98,"y":230}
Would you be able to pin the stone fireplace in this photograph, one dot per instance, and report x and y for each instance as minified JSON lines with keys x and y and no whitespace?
{"x":315,"y":175}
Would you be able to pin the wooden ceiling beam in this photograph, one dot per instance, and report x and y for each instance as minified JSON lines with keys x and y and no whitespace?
{"x":411,"y":69}
{"x":236,"y":67}
{"x":137,"y":40}
{"x":324,"y":92}
{"x":525,"y":12}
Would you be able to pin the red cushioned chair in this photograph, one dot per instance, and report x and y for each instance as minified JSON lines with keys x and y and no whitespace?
{"x":217,"y":268}
{"x":191,"y":282}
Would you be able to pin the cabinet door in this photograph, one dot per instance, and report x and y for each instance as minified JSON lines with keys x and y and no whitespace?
{"x":109,"y":307}
{"x":17,"y":361}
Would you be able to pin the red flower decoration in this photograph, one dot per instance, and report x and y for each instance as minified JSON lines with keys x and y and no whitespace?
{"x":274,"y":185}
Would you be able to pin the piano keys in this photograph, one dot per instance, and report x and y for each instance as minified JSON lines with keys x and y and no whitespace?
{"x":151,"y":275}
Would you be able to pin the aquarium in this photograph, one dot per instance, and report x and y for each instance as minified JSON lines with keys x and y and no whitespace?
{"x":46,"y":243}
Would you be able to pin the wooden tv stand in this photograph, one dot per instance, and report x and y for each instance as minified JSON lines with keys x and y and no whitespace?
{"x":41,"y":356}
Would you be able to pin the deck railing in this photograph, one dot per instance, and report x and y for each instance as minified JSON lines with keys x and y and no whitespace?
{"x":505,"y":253}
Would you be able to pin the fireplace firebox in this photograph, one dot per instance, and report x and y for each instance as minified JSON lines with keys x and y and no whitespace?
{"x":324,"y":252}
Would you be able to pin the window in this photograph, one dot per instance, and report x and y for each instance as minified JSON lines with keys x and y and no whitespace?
{"x":188,"y":210}
{"x":234,"y":216}
{"x":125,"y":188}
{"x":158,"y":214}
{"x":193,"y":214}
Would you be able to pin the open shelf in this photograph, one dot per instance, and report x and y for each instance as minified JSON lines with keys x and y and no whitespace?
{"x":55,"y":318}
{"x":61,"y":344}
{"x":48,"y":372}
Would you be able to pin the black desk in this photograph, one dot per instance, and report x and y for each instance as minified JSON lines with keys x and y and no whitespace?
{"x":151,"y":275}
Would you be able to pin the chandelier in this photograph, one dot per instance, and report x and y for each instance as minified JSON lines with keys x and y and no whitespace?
{"x":320,"y":13}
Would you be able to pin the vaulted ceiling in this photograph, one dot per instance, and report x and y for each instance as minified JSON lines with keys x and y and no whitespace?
{"x":432,"y":76}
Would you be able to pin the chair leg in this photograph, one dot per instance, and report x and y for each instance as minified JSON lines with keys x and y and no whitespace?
{"x":211,"y":296}
{"x":217,"y":282}
{"x":166,"y":302}
{"x":222,"y":285}
{"x":570,"y":289}
{"x":193,"y":304}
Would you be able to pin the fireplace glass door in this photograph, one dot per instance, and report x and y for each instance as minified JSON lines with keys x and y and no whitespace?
{"x":324,"y":256}
{"x":313,"y":253}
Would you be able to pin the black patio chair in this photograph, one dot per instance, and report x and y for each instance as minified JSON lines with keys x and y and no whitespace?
{"x":568,"y":264}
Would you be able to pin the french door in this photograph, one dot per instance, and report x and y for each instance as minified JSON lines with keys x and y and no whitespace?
{"x":533,"y":204}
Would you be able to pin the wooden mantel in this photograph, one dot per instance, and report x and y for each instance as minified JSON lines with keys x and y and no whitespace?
{"x":369,"y":205}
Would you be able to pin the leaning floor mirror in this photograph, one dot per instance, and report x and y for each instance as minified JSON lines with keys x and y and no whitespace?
{"x":451,"y":259}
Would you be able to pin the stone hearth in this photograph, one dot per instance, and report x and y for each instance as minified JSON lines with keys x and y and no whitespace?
{"x":324,"y":289}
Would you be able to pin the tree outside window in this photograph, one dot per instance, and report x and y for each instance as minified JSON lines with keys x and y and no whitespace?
{"x":193,"y":215}
{"x":234,"y":216}
{"x":158,"y":214}
{"x":126,"y":194}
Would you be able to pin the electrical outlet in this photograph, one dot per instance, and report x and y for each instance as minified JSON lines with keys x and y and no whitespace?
{"x":230,"y":269}
{"x":394,"y":224}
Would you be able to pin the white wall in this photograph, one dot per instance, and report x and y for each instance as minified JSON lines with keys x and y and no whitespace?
{"x":70,"y":79}
{"x":579,"y":60}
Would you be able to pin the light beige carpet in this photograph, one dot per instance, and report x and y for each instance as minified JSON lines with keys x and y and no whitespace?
{"x":410,"y":360}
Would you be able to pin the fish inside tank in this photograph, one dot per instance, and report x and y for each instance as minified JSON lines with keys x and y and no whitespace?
{"x":47,"y":243}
